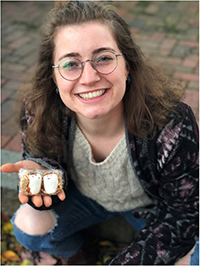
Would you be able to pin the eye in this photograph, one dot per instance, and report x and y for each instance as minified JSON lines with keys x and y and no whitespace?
{"x":104,"y":59}
{"x":70,"y":64}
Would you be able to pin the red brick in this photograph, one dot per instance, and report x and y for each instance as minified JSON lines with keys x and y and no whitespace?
{"x":3,"y":81}
{"x":9,"y":110}
{"x":174,"y":61}
{"x":14,"y":36}
{"x":121,"y":11}
{"x":192,"y":99}
{"x":191,"y":61}
{"x":164,"y":52}
{"x":4,"y":140}
{"x":11,"y":85}
{"x":5,"y":94}
{"x":193,"y":85}
{"x":140,"y":37}
{"x":186,"y":76}
{"x":193,"y":8}
{"x":16,"y":77}
{"x":134,"y":31}
{"x":18,"y":43}
{"x":13,"y":67}
{"x":157,"y":36}
{"x":10,"y":127}
{"x":196,"y":70}
{"x":168,"y":44}
{"x":14,"y":144}
{"x":189,"y":43}
{"x":152,"y":9}
{"x":183,"y":83}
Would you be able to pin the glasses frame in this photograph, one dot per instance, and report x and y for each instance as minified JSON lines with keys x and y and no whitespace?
{"x":91,"y":62}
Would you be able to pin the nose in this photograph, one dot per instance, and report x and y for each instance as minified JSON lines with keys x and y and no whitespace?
{"x":89,"y":73}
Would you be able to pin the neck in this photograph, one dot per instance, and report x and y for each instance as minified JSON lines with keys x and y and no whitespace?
{"x":109,"y":125}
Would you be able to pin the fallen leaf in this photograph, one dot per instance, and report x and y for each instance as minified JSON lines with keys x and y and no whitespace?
{"x":105,"y":258}
{"x":7,"y":228}
{"x":5,"y":218}
{"x":105,"y":243}
{"x":19,"y":248}
{"x":10,"y":255}
{"x":3,"y":246}
{"x":2,"y":258}
{"x":26,"y":262}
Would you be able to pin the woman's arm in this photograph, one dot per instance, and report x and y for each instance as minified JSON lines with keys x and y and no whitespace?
{"x":172,"y":225}
{"x":30,"y":161}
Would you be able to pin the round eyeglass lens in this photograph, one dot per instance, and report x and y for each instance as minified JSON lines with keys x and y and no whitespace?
{"x":70,"y":68}
{"x":105,"y":62}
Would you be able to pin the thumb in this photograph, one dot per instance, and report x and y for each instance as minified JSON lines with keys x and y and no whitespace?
{"x":14,"y":167}
{"x":11,"y":167}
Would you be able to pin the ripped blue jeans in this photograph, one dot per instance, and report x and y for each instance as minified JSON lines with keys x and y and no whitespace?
{"x":77,"y":212}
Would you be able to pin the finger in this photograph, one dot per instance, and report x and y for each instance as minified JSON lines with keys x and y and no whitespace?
{"x":47,"y":200}
{"x":61,"y":195}
{"x":10,"y":168}
{"x":22,"y":198}
{"x":14,"y":167}
{"x":37,"y":200}
{"x":28,"y":165}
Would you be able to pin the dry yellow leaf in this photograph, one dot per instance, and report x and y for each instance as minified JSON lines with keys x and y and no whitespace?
{"x":18,"y":248}
{"x":10,"y":255}
{"x":105,"y":258}
{"x":3,"y":259}
{"x":7,"y":228}
{"x":105,"y":243}
{"x":26,"y":262}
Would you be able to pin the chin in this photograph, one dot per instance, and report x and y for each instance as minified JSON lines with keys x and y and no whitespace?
{"x":94,"y":115}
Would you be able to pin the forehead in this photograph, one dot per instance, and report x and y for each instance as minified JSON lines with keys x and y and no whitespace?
{"x":83,"y":39}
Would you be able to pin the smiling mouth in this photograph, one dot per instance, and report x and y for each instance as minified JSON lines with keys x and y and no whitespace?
{"x":91,"y":95}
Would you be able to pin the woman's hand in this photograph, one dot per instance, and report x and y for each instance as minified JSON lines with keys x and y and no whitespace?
{"x":36,"y":199}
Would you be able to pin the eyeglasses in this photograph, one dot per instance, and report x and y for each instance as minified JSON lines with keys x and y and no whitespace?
{"x":104,"y":62}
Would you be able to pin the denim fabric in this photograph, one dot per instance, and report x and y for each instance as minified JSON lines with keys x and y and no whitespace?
{"x":195,"y":256}
{"x":74,"y":214}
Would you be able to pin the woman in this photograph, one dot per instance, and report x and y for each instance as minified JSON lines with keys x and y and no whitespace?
{"x":118,"y":129}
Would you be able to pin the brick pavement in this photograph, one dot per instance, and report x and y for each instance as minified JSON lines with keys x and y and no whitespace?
{"x":167,"y":33}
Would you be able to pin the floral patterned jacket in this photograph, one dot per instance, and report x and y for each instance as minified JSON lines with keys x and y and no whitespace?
{"x":167,"y":167}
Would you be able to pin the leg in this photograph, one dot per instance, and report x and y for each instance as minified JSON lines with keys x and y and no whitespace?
{"x":192,"y":258}
{"x":34,"y":222}
{"x":57,"y":232}
{"x":35,"y":230}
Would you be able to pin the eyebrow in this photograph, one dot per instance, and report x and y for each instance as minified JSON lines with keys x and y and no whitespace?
{"x":72,"y":54}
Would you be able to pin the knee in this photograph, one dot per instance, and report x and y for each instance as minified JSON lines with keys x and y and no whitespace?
{"x":34,"y":222}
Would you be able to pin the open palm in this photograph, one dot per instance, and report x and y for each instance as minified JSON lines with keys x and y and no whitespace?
{"x":39,"y":199}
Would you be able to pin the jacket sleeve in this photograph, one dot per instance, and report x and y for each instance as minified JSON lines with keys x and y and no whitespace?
{"x":26,"y":118}
{"x":172,"y":225}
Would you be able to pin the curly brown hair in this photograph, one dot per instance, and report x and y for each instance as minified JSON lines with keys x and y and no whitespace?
{"x":149,"y":97}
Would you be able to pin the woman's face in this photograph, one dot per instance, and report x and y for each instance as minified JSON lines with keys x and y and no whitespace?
{"x":92,"y":95}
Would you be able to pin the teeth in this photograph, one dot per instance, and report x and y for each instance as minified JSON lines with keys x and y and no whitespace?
{"x":92,"y":95}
